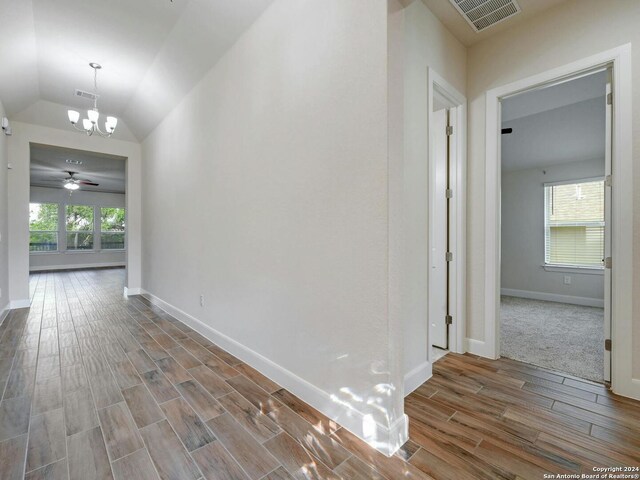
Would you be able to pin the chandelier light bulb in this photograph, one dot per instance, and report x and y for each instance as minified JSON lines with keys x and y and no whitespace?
{"x":86,"y":123}
{"x":111,"y":124}
{"x":93,"y":115}
{"x":73,"y":116}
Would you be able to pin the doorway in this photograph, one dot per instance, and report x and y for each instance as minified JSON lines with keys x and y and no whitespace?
{"x":447,"y":166}
{"x":77,"y":210}
{"x":621,"y":273}
{"x":555,"y":229}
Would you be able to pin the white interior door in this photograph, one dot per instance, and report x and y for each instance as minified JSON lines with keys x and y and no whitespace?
{"x":438,"y":236}
{"x":607,"y":227}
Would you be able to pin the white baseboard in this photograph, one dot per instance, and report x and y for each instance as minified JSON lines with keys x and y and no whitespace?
{"x":417,"y":377}
{"x":132,"y":291}
{"x":629,"y":389}
{"x":4,"y":313}
{"x":478,"y":347}
{"x":386,"y":439}
{"x":80,"y":266}
{"x":25,"y":303}
{"x":554,"y":297}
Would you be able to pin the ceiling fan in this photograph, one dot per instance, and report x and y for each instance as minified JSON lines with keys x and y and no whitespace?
{"x":73,"y":183}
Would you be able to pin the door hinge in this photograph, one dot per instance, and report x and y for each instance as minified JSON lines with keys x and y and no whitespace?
{"x":607,"y":345}
{"x":448,"y":319}
{"x":609,"y":98}
{"x":607,"y":180}
{"x":449,"y":193}
{"x":607,"y":262}
{"x":449,"y":256}
{"x":450,"y":129}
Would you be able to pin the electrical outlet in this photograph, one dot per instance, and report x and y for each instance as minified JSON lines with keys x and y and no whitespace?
{"x":567,"y":280}
{"x":202,"y":300}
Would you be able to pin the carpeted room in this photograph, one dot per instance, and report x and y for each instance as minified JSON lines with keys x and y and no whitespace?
{"x":553,"y":227}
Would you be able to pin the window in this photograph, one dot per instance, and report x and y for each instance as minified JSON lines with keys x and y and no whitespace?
{"x":79,"y":221}
{"x":574,"y":224}
{"x":43,"y":227}
{"x":111,"y":228}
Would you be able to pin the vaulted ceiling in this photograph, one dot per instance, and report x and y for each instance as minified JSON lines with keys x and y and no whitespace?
{"x":152,"y":52}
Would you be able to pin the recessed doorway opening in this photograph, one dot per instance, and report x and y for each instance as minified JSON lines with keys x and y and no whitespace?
{"x":618,"y":295}
{"x":77,"y":209}
{"x":554,"y":229}
{"x":447,"y":167}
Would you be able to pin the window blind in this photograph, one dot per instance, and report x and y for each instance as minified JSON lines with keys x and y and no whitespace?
{"x":574,"y":224}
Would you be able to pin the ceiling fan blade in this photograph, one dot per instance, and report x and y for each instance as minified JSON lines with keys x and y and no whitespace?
{"x":82,"y":182}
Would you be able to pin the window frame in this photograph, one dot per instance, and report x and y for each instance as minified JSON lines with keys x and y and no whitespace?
{"x":576,"y":268}
{"x":57,"y":231}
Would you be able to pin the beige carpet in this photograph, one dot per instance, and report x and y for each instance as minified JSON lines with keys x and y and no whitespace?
{"x":559,"y":336}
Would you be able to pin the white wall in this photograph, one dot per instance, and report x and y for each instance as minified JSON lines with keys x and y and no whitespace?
{"x":79,"y":259}
{"x":523,"y":233}
{"x":571,"y":31}
{"x":19,"y":188}
{"x":4,"y":251}
{"x":268,"y":186}
{"x":427,"y":44}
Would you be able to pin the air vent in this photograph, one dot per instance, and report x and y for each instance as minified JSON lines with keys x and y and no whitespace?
{"x":482,"y":14}
{"x":73,"y":162}
{"x":83,"y":94}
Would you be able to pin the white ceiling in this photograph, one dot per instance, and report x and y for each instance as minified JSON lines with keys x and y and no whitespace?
{"x":559,"y":95}
{"x":49,"y":166}
{"x":559,"y":124}
{"x":459,"y":27}
{"x":152,"y":52}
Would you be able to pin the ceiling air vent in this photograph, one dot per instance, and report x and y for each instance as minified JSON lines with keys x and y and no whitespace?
{"x":482,"y":14}
{"x":83,"y":94}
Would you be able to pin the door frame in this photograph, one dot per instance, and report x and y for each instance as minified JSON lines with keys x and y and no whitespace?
{"x":619,"y":58}
{"x":457,"y":205}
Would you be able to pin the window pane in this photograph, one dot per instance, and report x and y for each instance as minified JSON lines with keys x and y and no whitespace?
{"x":112,"y":240}
{"x":112,"y":228}
{"x":43,"y":241}
{"x":79,"y":218}
{"x":574,"y":224}
{"x":43,"y":227}
{"x":112,"y":219}
{"x":79,"y":240}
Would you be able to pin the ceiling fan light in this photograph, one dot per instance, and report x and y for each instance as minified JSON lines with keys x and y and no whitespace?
{"x":73,"y":116}
{"x":71,"y":186}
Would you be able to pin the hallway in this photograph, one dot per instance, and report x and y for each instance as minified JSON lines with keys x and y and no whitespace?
{"x":96,"y":385}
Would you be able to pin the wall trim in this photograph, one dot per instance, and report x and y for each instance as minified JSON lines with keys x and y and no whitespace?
{"x":385,"y":439}
{"x":417,"y":377}
{"x":631,"y":390}
{"x":24,"y":303}
{"x":133,"y":291}
{"x":554,"y":297}
{"x":81,"y":266}
{"x":4,"y":313}
{"x":478,"y":347}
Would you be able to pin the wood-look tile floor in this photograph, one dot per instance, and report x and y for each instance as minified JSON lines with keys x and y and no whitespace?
{"x":97,"y":386}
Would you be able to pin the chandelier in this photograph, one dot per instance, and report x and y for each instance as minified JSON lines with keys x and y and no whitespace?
{"x":90,"y":125}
